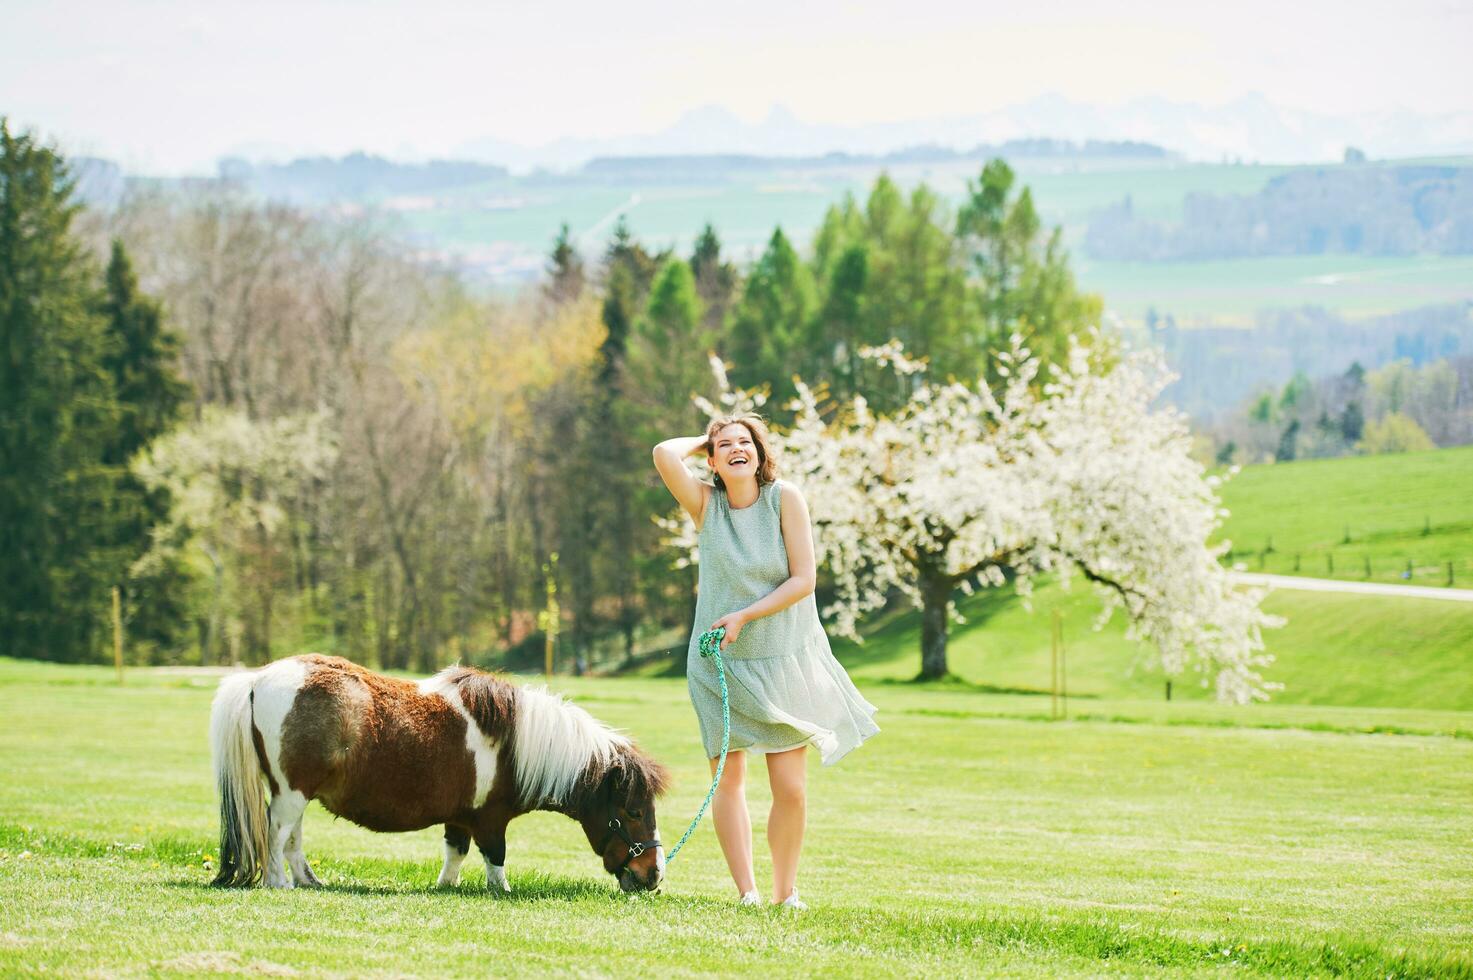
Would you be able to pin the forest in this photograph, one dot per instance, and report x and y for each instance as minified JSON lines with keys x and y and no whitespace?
{"x":272,"y":430}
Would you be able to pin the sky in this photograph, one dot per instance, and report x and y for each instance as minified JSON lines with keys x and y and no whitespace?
{"x":169,"y":86}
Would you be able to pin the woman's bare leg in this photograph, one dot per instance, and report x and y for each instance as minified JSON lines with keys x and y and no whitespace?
{"x":788,"y":774}
{"x":733,"y":822}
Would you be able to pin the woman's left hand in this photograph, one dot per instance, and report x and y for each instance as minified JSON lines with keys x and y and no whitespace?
{"x":733,"y":623}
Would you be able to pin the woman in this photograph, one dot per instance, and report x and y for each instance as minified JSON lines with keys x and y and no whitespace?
{"x":786,"y":690}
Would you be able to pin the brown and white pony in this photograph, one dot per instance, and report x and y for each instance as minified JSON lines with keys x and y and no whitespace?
{"x":463,"y":748}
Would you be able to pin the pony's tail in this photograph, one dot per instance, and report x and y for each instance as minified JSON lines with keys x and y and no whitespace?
{"x":243,"y":821}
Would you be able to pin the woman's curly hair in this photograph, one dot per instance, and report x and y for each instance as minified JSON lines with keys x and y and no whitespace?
{"x":766,"y":464}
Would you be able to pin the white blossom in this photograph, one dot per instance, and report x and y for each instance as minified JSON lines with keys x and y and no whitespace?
{"x":1077,"y":476}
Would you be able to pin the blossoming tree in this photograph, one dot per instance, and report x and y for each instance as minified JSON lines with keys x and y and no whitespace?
{"x":960,"y":487}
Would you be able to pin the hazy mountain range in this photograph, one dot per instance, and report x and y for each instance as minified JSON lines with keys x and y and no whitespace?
{"x":1251,"y":128}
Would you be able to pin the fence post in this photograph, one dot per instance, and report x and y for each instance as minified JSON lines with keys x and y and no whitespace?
{"x":1053,"y":710}
{"x":1368,"y":566}
{"x":1063,"y":672}
{"x":1296,"y":561}
{"x":1449,"y":573}
{"x":118,"y":632}
{"x":1330,"y":562}
{"x":551,"y":615}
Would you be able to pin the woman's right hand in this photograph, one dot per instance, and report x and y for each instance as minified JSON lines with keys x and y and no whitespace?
{"x":670,"y":461}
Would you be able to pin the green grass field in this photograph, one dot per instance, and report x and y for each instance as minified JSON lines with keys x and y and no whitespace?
{"x":1323,"y":833}
{"x":970,"y":838}
{"x":1407,"y":507}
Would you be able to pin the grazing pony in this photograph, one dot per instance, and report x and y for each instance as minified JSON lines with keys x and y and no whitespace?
{"x":463,"y":748}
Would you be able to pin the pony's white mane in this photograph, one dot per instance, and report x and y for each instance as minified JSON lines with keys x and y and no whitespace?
{"x":555,"y":742}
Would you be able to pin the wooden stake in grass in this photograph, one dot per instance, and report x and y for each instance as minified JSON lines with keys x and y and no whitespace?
{"x":548,"y":618}
{"x":118,"y":632}
{"x":1053,"y":708}
{"x":1059,"y":704}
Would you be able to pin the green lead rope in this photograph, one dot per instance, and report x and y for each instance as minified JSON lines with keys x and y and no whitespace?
{"x":710,"y":646}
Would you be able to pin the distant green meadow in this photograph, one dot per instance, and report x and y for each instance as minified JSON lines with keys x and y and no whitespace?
{"x":509,"y":226}
{"x":1339,"y":518}
{"x":971,"y":837}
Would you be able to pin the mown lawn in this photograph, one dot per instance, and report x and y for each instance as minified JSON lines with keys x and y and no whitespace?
{"x":970,"y":837}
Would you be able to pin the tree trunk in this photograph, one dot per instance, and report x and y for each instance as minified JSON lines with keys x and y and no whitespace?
{"x":936,"y":589}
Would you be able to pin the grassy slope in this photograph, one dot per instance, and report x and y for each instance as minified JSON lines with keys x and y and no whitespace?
{"x":1385,"y":502}
{"x":1352,"y":651}
{"x":954,"y":844}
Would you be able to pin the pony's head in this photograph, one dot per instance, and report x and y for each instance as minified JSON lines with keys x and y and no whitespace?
{"x":618,"y":815}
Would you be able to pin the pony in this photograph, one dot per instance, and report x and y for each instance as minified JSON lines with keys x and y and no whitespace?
{"x":463,"y":748}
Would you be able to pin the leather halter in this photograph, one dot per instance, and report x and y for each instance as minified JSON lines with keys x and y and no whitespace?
{"x":636,"y":847}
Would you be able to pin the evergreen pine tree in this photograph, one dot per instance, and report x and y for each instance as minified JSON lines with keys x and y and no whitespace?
{"x":769,"y":335}
{"x":1022,"y":275}
{"x":668,"y":361}
{"x":565,"y":273}
{"x":140,"y":358}
{"x":841,"y":325}
{"x":1288,"y":443}
{"x":1352,"y":423}
{"x":716,"y":284}
{"x":58,"y":418}
{"x":628,"y":272}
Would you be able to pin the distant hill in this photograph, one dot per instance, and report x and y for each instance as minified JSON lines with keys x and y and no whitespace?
{"x":1352,"y":209}
{"x":706,"y":166}
{"x":360,"y":177}
{"x":1250,"y":128}
{"x":356,"y":177}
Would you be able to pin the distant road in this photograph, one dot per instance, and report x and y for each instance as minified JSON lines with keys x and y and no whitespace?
{"x":1365,"y":588}
{"x":586,"y":237}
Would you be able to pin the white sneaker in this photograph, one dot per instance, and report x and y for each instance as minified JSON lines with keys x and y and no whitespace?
{"x":751,"y":898}
{"x":795,"y":903}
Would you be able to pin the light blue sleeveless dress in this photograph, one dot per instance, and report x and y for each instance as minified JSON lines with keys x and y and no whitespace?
{"x":785,"y":687}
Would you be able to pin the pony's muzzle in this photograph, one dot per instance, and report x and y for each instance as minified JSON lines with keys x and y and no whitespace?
{"x":632,"y":881}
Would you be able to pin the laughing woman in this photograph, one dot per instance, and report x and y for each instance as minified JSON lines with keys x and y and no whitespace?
{"x":786,"y":690}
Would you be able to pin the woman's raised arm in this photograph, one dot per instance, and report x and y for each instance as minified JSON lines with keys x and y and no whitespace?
{"x":669,"y":460}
